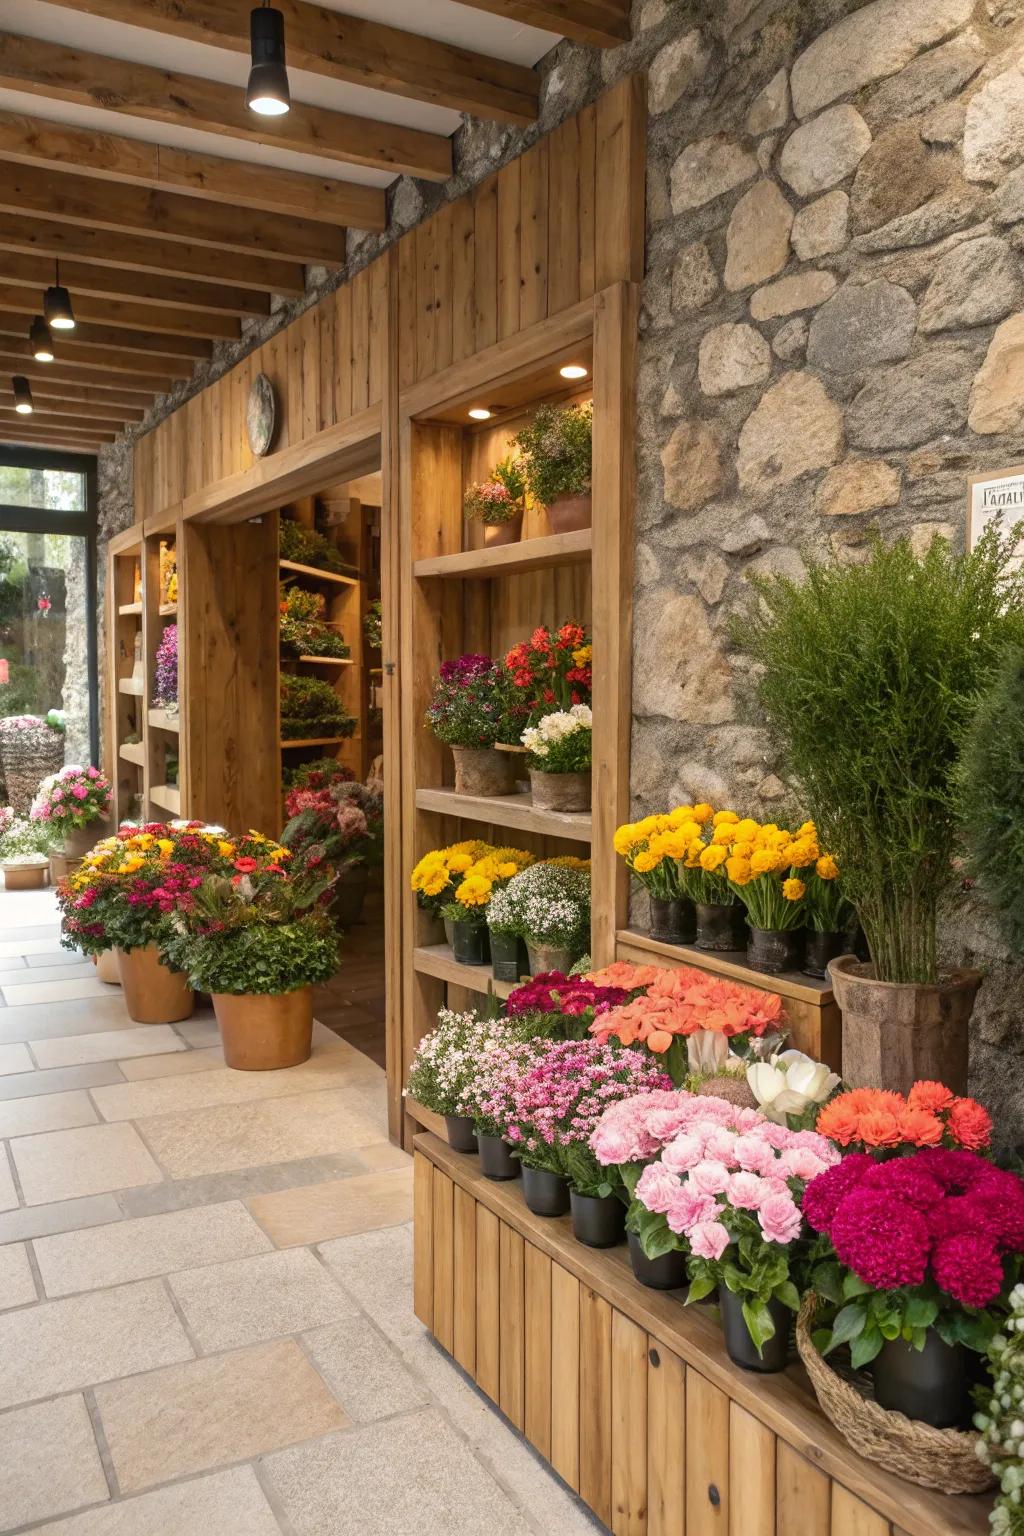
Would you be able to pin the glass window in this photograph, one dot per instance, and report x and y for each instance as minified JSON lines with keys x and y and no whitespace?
{"x":44,"y":656}
{"x":56,"y":490}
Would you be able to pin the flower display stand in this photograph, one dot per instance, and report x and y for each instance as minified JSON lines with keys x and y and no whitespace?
{"x":630,"y":1397}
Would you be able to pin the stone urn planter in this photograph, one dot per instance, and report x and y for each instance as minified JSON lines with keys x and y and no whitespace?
{"x":560,"y":791}
{"x":483,"y":771}
{"x":25,"y":877}
{"x":496,"y":534}
{"x":265,"y":1033}
{"x":153,"y":993}
{"x":895,"y":1034}
{"x":568,"y":514}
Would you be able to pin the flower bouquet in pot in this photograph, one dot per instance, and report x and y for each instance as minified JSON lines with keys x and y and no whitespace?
{"x":340,"y":825}
{"x":553,"y":670}
{"x":488,"y":1098}
{"x":498,"y":503}
{"x":165,"y":666}
{"x":548,"y":907}
{"x":559,"y":749}
{"x":438,"y":872}
{"x":653,"y":850}
{"x":562,"y":1007}
{"x":258,"y":941}
{"x":72,"y":805}
{"x":24,"y":851}
{"x":468,"y":712}
{"x":445,"y":1065}
{"x":303,"y":629}
{"x":763,"y":868}
{"x":556,"y":449}
{"x":466,"y":913}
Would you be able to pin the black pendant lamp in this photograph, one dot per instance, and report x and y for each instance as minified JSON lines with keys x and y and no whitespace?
{"x":22,"y":395}
{"x":267,"y":92}
{"x":57,"y":306}
{"x":40,"y":340}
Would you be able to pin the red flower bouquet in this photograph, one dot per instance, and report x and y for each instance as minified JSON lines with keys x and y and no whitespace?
{"x":552,"y":670}
{"x":564,"y":997}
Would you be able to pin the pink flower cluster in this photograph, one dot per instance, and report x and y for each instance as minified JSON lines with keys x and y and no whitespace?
{"x":950,"y":1212}
{"x":552,"y":992}
{"x":72,"y":798}
{"x":706,"y":1160}
{"x":561,"y":1098}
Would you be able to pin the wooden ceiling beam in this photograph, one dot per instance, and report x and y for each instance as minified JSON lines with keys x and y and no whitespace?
{"x":46,"y":418}
{"x":113,"y":359}
{"x":36,"y":141}
{"x":16,"y":357}
{"x":114,"y":312}
{"x":163,"y":258}
{"x":25,"y":271}
{"x":88,"y":409}
{"x":20,"y":429}
{"x":84,"y":395}
{"x":163,"y":96}
{"x":348,"y":48}
{"x":84,"y":336}
{"x":601,"y":23}
{"x":29,"y":189}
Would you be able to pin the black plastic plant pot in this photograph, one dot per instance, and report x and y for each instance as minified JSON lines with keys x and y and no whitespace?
{"x":775,"y":950}
{"x":930,"y":1384}
{"x":461,"y":1135}
{"x":673,"y":922}
{"x":546,"y":1194}
{"x":721,"y":927}
{"x":740,"y":1347}
{"x":471,"y":943}
{"x":821,"y":948}
{"x":665,"y":1273}
{"x":496,"y":1160}
{"x":509,"y":960}
{"x":599,"y":1221}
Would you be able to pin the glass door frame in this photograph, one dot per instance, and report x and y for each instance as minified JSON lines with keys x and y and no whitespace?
{"x":17,"y":519}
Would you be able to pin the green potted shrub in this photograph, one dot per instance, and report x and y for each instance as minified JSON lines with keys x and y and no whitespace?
{"x":498,"y":503}
{"x":556,"y":458}
{"x":310,"y":709}
{"x":869,"y":678}
{"x":304,"y":630}
{"x":559,"y":749}
{"x":24,"y":848}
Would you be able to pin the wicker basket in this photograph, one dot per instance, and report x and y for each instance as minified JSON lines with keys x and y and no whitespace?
{"x":28,"y":755}
{"x":933,"y":1458}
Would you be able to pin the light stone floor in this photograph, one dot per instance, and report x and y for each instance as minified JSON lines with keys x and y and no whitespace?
{"x":206,"y":1322}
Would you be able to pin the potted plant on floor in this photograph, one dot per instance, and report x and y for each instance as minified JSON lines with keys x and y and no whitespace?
{"x":548,"y":906}
{"x":498,"y":503}
{"x":869,"y":715}
{"x":258,"y":942}
{"x":467,"y":712}
{"x":556,"y":454}
{"x":559,"y":751}
{"x":73,"y":805}
{"x":343,"y":824}
{"x":24,"y":858}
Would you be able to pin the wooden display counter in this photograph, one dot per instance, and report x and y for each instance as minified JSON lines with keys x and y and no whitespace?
{"x":631,"y":1397}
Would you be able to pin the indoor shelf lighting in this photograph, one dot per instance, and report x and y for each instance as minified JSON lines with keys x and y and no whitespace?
{"x":479,"y":413}
{"x":57,"y":306}
{"x":267,"y":92}
{"x":22,"y":395}
{"x":573,"y":371}
{"x":40,"y":340}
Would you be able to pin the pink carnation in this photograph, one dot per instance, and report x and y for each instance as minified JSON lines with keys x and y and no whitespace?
{"x":656,"y":1188}
{"x":801,"y":1163}
{"x":753,"y":1153}
{"x":746,"y":1191}
{"x":688,"y":1208}
{"x":709,"y":1177}
{"x":80,"y":791}
{"x":683,"y":1153}
{"x":708,"y":1240}
{"x":780,"y":1218}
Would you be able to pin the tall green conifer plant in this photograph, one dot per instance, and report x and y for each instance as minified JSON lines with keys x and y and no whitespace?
{"x":869,"y":677}
{"x":992,"y":797}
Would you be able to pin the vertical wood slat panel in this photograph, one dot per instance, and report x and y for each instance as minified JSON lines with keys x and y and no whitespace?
{"x":464,"y":1299}
{"x":564,"y":227}
{"x":343,"y":351}
{"x":512,"y":1327}
{"x":619,"y":206}
{"x":595,"y":1403}
{"x":424,"y":236}
{"x":463,"y":280}
{"x":328,"y":403}
{"x":360,"y":341}
{"x":629,"y":1428}
{"x":533,"y":249}
{"x":377,"y":347}
{"x":443,"y":297}
{"x":509,"y":233}
{"x":751,"y":1475}
{"x":310,"y":343}
{"x":444,"y":1257}
{"x":485,"y":262}
{"x":802,"y":1494}
{"x":587,"y":123}
{"x":537,"y":1410}
{"x":405,"y":340}
{"x":707,"y":1459}
{"x":488,"y":1301}
{"x":852,"y":1517}
{"x":293,"y":399}
{"x":565,"y":1375}
{"x":666,"y":1442}
{"x":422,"y":1235}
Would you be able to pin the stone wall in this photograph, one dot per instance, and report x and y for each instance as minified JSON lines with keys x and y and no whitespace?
{"x":833,"y":337}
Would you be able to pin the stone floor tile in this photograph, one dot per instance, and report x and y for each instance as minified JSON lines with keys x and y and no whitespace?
{"x":321,"y":1211}
{"x":383,"y":1155}
{"x":59,"y":1080}
{"x":376,"y":1268}
{"x":89,"y":1161}
{"x":15,"y":1058}
{"x":48,"y":1461}
{"x":194,"y":1417}
{"x":237,"y":1184}
{"x":74,"y":970}
{"x":176,"y":1064}
{"x":147,"y":1246}
{"x":65,"y":957}
{"x":46,"y":1112}
{"x":44,"y":944}
{"x":41,"y":930}
{"x":80,"y":1016}
{"x":266,"y":1297}
{"x":61,"y":1346}
{"x":8,"y":1194}
{"x":242,"y":1135}
{"x":200,"y":1030}
{"x":36,"y":992}
{"x":107,"y":1045}
{"x":365,"y":1374}
{"x":227,"y":1504}
{"x":59,"y":1216}
{"x":386,"y":1478}
{"x":17,"y":1283}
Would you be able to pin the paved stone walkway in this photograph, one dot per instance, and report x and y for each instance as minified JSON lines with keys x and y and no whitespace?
{"x":206,"y":1322}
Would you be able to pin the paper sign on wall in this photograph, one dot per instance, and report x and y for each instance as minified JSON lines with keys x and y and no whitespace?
{"x":996,"y":498}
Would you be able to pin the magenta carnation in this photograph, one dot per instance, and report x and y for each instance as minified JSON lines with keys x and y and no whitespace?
{"x":968,"y":1266}
{"x":903,"y":1178}
{"x":823,"y":1194}
{"x":883,"y":1240}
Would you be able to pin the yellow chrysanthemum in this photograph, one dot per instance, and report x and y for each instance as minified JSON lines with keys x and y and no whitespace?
{"x":225,"y":849}
{"x":725,"y":834}
{"x":680,"y":816}
{"x":803,"y":852}
{"x":827,"y":868}
{"x":433,"y":884}
{"x":724,"y":818}
{"x":626,"y":837}
{"x":165,"y":845}
{"x":583,"y":654}
{"x":702,"y":813}
{"x":742,"y":850}
{"x":738,"y":870}
{"x":569,"y":861}
{"x":459,"y":863}
{"x":645,"y":861}
{"x":475,"y":891}
{"x":808,"y":830}
{"x":712,"y":858}
{"x":762,"y":861}
{"x":793,"y":890}
{"x":747,"y":830}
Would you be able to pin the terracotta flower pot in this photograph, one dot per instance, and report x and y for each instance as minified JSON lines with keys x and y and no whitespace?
{"x":503,"y":533}
{"x":568,"y":514}
{"x":897,"y":1033}
{"x":266,"y":1032}
{"x":107,"y":968}
{"x":483,"y":771}
{"x":79,"y":841}
{"x":560,"y":791}
{"x":24,"y":877}
{"x":153,"y":993}
{"x":61,"y":865}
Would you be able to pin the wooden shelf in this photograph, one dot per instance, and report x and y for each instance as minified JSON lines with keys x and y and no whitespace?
{"x":163,"y":721}
{"x":317,"y":574}
{"x":167,"y":796}
{"x":168,"y":610}
{"x":124,"y":609}
{"x":438,"y":960}
{"x":515,"y":811}
{"x":327,"y":661}
{"x":731,"y":963}
{"x":131,"y":685}
{"x":511,"y":559}
{"x":132,"y":752}
{"x":313,"y":741}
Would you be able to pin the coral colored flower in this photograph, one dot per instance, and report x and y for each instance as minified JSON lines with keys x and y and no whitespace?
{"x":920,"y":1127}
{"x":970,"y":1125}
{"x":929,"y":1095}
{"x":246,"y":866}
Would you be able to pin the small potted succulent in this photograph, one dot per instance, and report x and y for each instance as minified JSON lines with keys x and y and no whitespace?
{"x":556,"y":459}
{"x":467,"y":711}
{"x":73,"y":805}
{"x":24,"y":846}
{"x":559,"y":751}
{"x":498,"y":503}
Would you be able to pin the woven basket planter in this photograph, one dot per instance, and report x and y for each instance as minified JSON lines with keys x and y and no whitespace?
{"x":933,"y":1458}
{"x":27,"y":756}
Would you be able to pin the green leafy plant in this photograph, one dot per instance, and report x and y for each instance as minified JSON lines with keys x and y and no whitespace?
{"x":304,"y":631}
{"x":307,"y":547}
{"x":310,"y":707}
{"x":556,"y":451}
{"x":869,"y":677}
{"x":991,"y":782}
{"x":373,"y":623}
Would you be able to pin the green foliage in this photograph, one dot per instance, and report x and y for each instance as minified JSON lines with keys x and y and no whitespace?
{"x":23,"y":841}
{"x":304,"y":631}
{"x":373,"y":622}
{"x":868,"y":677}
{"x":556,"y":451}
{"x":307,"y":547}
{"x":310,"y":707}
{"x":991,"y":782}
{"x":867,"y":1319}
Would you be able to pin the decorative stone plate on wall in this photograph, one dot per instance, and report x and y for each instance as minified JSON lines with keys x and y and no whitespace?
{"x":261,"y":415}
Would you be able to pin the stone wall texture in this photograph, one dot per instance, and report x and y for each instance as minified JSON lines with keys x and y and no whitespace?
{"x":832,"y":339}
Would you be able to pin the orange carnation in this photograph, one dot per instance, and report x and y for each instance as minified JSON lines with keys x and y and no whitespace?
{"x":969,"y":1124}
{"x":621,"y":973}
{"x":931,"y":1096}
{"x":880,"y":1128}
{"x":839,"y":1122}
{"x":920,"y":1127}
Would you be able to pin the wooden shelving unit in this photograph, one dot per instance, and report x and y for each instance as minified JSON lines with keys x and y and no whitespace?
{"x":438,"y":960}
{"x":316,"y":573}
{"x":304,"y":742}
{"x":125,"y":678}
{"x":163,"y":736}
{"x":516,"y":812}
{"x":167,"y":797}
{"x":133,"y":752}
{"x":543,"y":552}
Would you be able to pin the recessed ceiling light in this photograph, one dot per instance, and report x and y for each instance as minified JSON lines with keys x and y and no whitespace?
{"x":480,"y":413}
{"x":40,"y":340}
{"x":22,"y":395}
{"x":267,"y":92}
{"x":574,"y":371}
